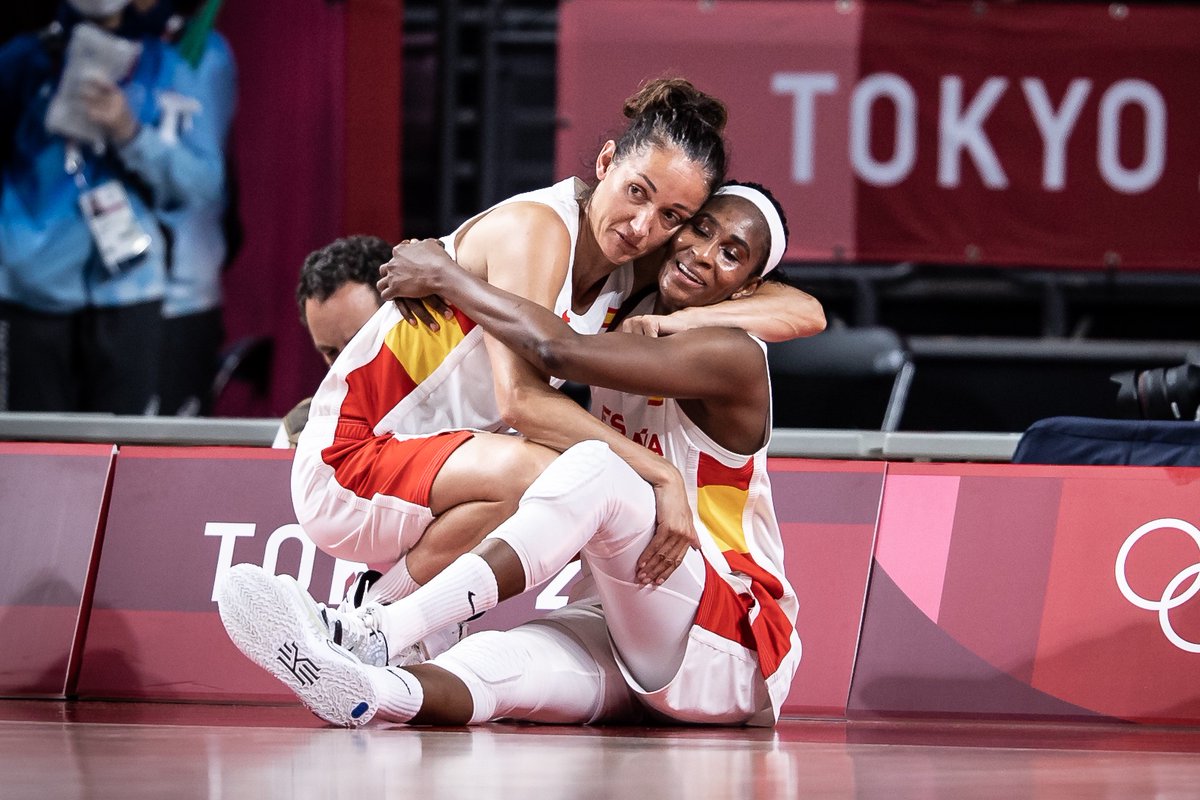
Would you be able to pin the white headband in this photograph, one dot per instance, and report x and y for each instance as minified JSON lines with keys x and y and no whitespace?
{"x":774,"y":221}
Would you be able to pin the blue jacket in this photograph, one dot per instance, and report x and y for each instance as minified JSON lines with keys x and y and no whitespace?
{"x":189,"y":150}
{"x":48,"y":261}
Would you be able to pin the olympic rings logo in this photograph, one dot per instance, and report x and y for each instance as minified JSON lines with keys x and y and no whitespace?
{"x":1169,"y":600}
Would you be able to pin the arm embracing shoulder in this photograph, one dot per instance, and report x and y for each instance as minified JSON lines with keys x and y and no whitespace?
{"x":526,"y":265}
{"x":674,"y":366}
{"x":543,"y":415}
{"x":776,"y":312}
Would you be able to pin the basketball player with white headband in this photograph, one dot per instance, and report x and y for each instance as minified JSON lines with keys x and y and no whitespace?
{"x":715,"y":642}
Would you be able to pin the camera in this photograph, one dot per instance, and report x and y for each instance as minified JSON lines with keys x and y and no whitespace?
{"x":1162,"y":393}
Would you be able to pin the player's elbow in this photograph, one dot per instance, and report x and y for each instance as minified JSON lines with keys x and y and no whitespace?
{"x":815,"y":320}
{"x":550,"y":355}
{"x":515,"y":405}
{"x":809,"y":322}
{"x":553,"y":354}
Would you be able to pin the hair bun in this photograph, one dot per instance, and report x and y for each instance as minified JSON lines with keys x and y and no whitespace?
{"x":676,"y":96}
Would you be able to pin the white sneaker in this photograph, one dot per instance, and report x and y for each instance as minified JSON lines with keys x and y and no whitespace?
{"x":357,"y":629}
{"x":273,"y":624}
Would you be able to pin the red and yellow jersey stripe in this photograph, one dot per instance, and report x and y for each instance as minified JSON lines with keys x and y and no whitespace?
{"x":721,"y":496}
{"x":409,"y":354}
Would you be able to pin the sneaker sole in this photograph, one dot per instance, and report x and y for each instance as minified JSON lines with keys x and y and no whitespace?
{"x":269,"y":624}
{"x":320,"y":627}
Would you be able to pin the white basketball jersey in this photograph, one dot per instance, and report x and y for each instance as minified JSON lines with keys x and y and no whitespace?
{"x":421,"y":382}
{"x":730,"y":495}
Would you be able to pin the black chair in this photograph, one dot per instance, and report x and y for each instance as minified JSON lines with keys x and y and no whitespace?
{"x":247,"y":361}
{"x":843,"y":378}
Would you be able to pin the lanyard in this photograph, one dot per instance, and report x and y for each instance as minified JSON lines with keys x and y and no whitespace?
{"x":73,"y":163}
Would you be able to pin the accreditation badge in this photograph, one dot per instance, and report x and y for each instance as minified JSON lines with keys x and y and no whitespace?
{"x":117,"y":233}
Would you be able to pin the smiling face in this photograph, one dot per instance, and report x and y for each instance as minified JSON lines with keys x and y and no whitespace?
{"x":642,"y":199}
{"x":714,"y":255}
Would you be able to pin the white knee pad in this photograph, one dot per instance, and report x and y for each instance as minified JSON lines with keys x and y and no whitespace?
{"x":535,"y":673}
{"x":588,"y":494}
{"x":576,"y":470}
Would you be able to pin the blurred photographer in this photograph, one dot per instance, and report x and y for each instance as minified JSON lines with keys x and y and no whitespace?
{"x":1165,"y":431}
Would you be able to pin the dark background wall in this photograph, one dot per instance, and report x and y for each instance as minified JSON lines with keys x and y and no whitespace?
{"x":403,"y":118}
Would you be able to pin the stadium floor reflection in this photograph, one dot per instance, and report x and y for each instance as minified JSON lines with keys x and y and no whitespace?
{"x":50,"y":749}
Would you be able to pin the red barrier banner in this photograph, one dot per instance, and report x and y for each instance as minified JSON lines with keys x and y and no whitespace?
{"x":1034,"y":592}
{"x":180,"y":517}
{"x":994,"y":590}
{"x":1055,"y":134}
{"x":52,"y":496}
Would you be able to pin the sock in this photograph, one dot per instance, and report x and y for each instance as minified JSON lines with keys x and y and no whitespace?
{"x":399,"y":692}
{"x":393,"y":584}
{"x":465,"y":588}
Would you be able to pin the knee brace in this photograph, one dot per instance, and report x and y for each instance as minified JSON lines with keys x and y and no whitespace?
{"x":587,"y":496}
{"x":533,"y":673}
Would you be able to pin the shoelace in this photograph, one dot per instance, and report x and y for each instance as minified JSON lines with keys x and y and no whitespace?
{"x":350,"y":631}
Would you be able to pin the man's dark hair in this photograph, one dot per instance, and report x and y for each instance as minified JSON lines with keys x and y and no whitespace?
{"x":353,"y":259}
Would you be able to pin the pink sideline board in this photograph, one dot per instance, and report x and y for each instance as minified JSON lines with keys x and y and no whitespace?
{"x":52,"y":496}
{"x":1013,"y":591}
{"x":178,"y":517}
{"x":991,"y":590}
{"x":827,"y":513}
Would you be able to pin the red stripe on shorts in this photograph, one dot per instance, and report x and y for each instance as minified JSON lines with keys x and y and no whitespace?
{"x":403,"y":468}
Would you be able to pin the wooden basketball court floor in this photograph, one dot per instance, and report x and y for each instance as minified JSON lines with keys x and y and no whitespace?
{"x":51,"y":750}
